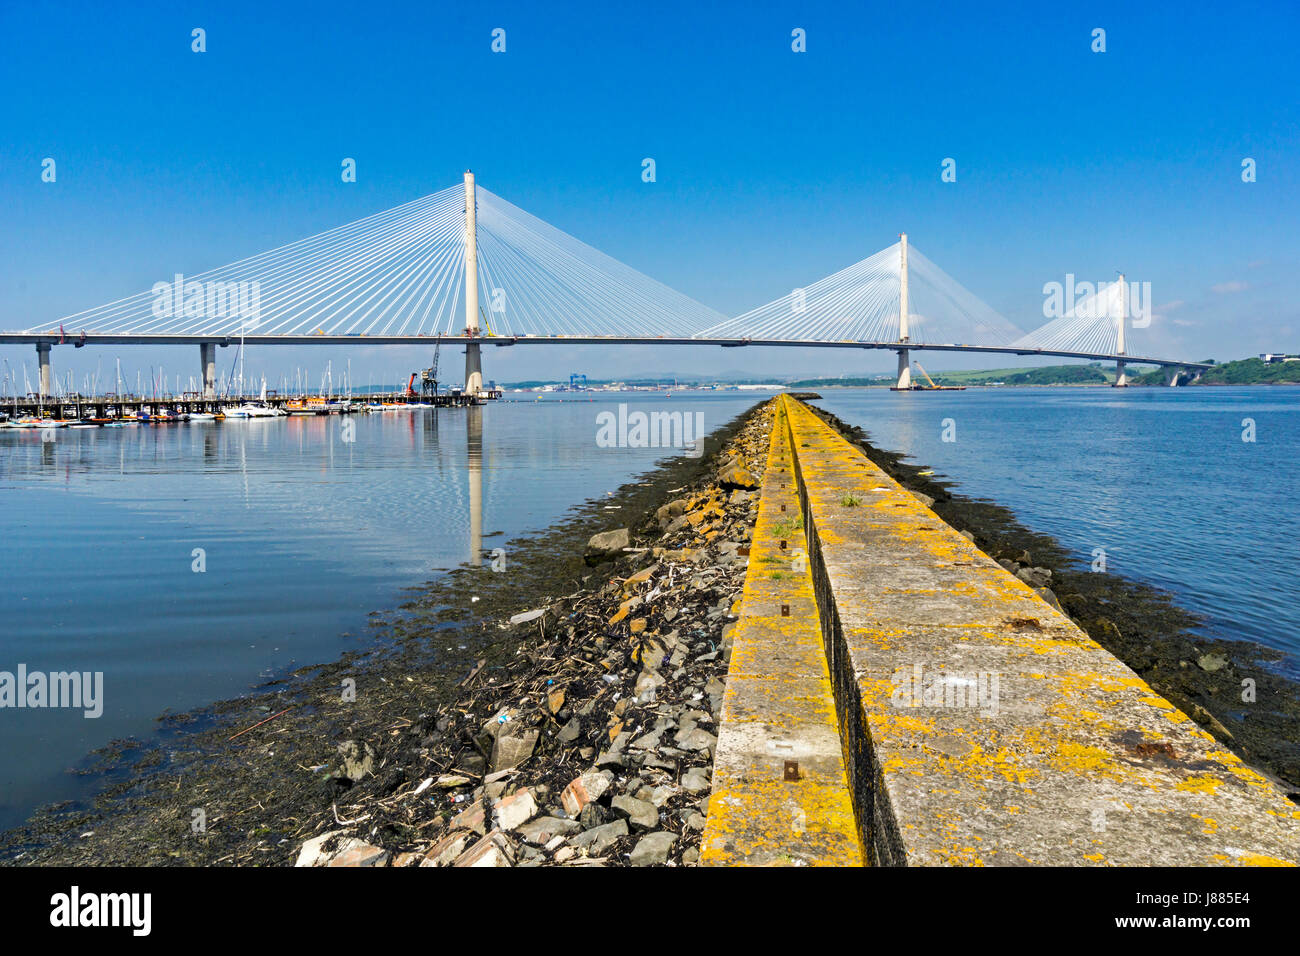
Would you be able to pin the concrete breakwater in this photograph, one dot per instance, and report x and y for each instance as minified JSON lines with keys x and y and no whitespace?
{"x":979,"y":724}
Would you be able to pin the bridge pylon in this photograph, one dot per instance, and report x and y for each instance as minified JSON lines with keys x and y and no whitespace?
{"x":208,"y":365}
{"x":43,"y":360}
{"x":473,"y":359}
{"x":904,"y":355}
{"x":1121,"y":377}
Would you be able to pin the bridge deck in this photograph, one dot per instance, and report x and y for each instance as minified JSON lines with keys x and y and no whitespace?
{"x":504,"y":341}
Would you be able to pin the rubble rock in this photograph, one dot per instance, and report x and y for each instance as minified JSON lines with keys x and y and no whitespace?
{"x":446,"y":850}
{"x":583,"y":790}
{"x":607,"y":545}
{"x":358,"y":760}
{"x":359,"y":853}
{"x":642,"y":815}
{"x":492,"y":850}
{"x":697,"y":780}
{"x":735,"y":475}
{"x":599,"y":839}
{"x":512,"y":749}
{"x":514,"y":811}
{"x":652,"y":849}
{"x":544,"y":830}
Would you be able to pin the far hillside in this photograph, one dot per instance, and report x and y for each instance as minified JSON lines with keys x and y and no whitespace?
{"x":1091,"y":374}
{"x":1251,"y":371}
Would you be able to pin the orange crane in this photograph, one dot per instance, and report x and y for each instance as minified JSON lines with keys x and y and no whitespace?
{"x":933,"y":387}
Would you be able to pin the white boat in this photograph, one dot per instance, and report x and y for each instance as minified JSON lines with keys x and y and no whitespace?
{"x":251,"y":410}
{"x":202,"y":417}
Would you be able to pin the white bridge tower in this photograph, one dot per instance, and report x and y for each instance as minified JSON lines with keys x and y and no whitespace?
{"x":473,"y":360}
{"x":1121,"y":377}
{"x":904,"y":355}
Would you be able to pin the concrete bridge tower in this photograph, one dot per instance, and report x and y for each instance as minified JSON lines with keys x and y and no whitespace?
{"x":45,"y":378}
{"x":904,"y":355}
{"x":208,"y":365}
{"x":1121,"y":377}
{"x":473,"y":360}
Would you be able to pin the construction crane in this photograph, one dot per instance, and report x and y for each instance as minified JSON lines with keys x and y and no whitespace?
{"x":933,"y":387}
{"x":429,"y":377}
{"x":573,"y":381}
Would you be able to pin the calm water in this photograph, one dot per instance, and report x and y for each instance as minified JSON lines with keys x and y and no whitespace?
{"x":304,"y":534}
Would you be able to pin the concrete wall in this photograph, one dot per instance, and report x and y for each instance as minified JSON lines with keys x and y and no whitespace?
{"x":979,"y":724}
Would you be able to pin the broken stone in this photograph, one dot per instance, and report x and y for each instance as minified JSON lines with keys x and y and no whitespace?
{"x":696,"y":780}
{"x":510,"y":750}
{"x":493,"y":850}
{"x":1212,"y":662}
{"x":570,"y":731}
{"x":446,"y":850}
{"x":583,"y":790}
{"x":641,"y":814}
{"x":696,"y":739}
{"x":546,"y":830}
{"x":359,"y":853}
{"x":312,"y":853}
{"x":1047,"y":595}
{"x":652,"y":849}
{"x":607,"y":545}
{"x":598,"y":839}
{"x":358,"y":759}
{"x":471,"y":818}
{"x":514,"y":810}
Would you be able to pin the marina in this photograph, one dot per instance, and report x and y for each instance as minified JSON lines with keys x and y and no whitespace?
{"x":74,"y":411}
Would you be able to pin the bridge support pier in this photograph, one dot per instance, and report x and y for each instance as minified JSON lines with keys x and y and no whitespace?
{"x":208,"y":362}
{"x":43,"y":359}
{"x":904,"y":369}
{"x":904,"y":311}
{"x":473,"y":360}
{"x":1171,"y":375}
{"x":1121,"y":377}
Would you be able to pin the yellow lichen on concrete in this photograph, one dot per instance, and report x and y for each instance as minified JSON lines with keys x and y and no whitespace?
{"x":1074,"y":759}
{"x":780,"y":791}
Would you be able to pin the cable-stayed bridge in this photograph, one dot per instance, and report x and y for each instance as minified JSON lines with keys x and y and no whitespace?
{"x":464,"y":266}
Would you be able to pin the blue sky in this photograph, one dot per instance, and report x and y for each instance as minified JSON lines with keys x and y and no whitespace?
{"x":774,"y":168}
